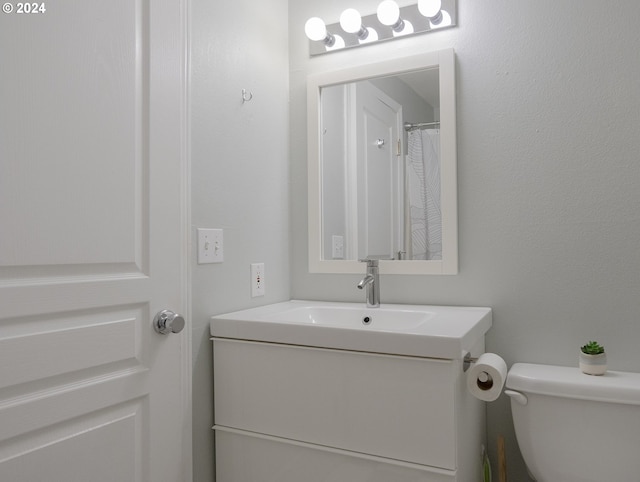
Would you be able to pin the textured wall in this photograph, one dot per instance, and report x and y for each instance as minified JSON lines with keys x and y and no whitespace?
{"x":548,"y":111}
{"x":240,"y":174}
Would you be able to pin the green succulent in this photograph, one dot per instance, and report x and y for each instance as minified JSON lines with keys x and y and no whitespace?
{"x":592,"y":348}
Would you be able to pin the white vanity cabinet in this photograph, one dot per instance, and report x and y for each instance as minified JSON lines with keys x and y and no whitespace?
{"x":297,"y":413}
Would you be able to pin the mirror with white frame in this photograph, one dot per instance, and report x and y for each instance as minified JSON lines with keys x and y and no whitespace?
{"x":382,"y":166}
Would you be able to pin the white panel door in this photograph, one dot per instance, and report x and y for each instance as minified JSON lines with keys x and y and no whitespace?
{"x":380,"y":179}
{"x":92,"y":229}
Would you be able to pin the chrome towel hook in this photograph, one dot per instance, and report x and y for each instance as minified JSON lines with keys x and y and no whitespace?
{"x":246,"y":96}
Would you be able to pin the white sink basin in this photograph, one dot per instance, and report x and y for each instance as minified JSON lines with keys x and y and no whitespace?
{"x":353,"y":317}
{"x":416,"y":330}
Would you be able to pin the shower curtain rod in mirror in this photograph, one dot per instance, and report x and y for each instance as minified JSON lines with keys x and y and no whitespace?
{"x":408,"y":126}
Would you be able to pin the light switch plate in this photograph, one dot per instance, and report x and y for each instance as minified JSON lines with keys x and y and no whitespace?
{"x":210,"y":246}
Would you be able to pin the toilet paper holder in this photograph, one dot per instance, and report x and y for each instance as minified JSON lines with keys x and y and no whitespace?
{"x":468,"y":360}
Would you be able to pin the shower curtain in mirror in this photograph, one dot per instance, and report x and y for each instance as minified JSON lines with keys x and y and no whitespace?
{"x":423,"y":214}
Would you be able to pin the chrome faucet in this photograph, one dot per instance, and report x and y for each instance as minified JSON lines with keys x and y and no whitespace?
{"x":372,"y":281}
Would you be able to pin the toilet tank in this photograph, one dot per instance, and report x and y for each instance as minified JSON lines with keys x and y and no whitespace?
{"x":573,"y":427}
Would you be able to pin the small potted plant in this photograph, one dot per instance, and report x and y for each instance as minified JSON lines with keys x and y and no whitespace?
{"x":593,"y":359}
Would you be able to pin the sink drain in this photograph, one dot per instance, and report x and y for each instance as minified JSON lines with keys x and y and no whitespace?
{"x":366,"y":320}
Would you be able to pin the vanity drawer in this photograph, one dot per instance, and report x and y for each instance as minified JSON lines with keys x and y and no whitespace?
{"x":389,"y":406}
{"x":245,"y":457}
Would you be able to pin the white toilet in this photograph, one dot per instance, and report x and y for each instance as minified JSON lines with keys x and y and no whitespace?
{"x":573,"y":427}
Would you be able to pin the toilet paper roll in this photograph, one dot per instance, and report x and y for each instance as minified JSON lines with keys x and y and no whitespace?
{"x":486,"y":378}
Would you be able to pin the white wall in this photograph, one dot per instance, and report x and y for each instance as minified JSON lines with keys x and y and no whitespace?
{"x":548,"y":178}
{"x":240,"y":177}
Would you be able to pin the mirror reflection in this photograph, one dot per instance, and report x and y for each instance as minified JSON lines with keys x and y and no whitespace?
{"x":380,"y":145}
{"x":382,"y":166}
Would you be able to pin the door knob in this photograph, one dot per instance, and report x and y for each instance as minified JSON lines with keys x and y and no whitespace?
{"x":167,"y":321}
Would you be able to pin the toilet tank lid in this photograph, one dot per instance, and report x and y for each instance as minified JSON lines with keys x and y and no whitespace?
{"x":570,"y":382}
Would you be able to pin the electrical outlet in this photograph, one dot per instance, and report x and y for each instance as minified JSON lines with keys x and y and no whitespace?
{"x":257,"y":279}
{"x":337,"y":247}
{"x":210,"y":246}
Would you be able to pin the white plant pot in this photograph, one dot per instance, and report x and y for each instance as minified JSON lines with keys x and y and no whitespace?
{"x":593,"y":364}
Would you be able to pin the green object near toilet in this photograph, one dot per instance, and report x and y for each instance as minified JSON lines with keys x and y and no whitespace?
{"x":486,"y":466}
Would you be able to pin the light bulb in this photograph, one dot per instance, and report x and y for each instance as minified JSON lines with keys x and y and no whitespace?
{"x":372,"y":36}
{"x":351,"y":21}
{"x":315,"y":29}
{"x":405,"y":30}
{"x":337,"y":43}
{"x":445,"y":20}
{"x":429,"y":8}
{"x":388,"y":13}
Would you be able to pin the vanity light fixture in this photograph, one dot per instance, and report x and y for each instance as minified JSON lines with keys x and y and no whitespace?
{"x":390,"y":21}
